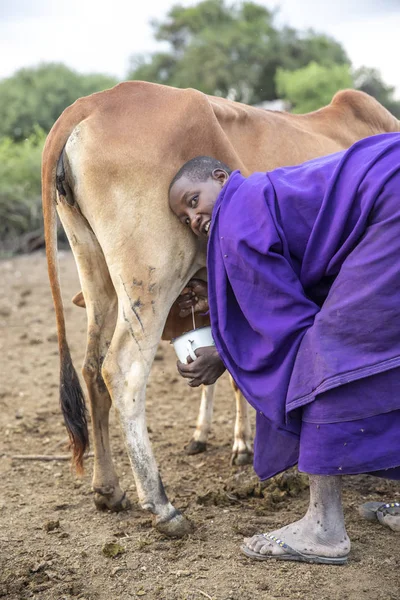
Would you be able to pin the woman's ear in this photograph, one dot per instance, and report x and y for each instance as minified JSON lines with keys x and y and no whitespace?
{"x":220,"y":175}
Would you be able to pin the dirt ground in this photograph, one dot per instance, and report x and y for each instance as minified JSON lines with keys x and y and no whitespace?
{"x":53,"y":543}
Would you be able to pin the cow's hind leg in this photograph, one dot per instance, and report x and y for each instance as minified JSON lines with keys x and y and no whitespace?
{"x":198,"y":443}
{"x":101,"y":306}
{"x":242,"y":451}
{"x":107,"y":491}
{"x":144,"y":294}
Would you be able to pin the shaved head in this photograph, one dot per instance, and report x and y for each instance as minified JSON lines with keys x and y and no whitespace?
{"x":200,"y":168}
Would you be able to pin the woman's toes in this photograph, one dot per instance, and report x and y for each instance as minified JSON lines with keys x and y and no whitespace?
{"x":266,"y":549}
{"x":252,"y":542}
{"x":246,"y":541}
{"x":392,"y":521}
{"x":254,"y":545}
{"x":258,"y":546}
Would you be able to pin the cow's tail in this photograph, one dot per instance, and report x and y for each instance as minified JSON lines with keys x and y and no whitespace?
{"x":71,"y":395}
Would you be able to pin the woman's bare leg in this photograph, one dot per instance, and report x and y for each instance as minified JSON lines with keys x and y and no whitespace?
{"x":320,"y":532}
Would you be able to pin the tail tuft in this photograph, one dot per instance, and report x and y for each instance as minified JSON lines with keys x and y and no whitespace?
{"x":73,"y":408}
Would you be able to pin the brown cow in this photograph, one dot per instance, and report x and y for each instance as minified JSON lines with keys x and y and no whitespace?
{"x":111,"y":157}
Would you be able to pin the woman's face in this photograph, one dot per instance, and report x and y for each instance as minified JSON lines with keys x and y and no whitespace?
{"x":193,"y":201}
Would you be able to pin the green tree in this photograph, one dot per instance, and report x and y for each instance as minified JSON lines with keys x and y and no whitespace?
{"x":37,"y":96}
{"x":313,"y":86}
{"x":292,"y":50}
{"x":230,"y":50}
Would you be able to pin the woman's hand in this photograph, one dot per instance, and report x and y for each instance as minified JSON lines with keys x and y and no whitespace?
{"x":206,"y":369}
{"x":194,"y":295}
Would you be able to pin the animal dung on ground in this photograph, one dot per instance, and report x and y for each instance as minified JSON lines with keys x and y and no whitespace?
{"x":112,"y":549}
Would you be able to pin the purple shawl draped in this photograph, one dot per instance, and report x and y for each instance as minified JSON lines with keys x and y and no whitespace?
{"x":291,"y":315}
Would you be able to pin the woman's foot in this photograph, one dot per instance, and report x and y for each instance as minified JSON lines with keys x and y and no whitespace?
{"x":320,"y":533}
{"x":305,"y":536}
{"x":387,"y":514}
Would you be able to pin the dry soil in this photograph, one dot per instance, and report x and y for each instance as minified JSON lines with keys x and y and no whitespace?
{"x":53,"y":543}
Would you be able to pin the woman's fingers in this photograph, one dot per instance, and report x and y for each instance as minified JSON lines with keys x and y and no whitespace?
{"x":195,"y":383}
{"x":187,"y":304}
{"x":185,"y":370}
{"x":198,"y":286}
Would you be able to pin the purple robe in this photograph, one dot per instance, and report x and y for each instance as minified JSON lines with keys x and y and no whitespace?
{"x":304,"y":291}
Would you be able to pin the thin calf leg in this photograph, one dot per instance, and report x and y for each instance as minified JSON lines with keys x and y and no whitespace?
{"x":242,"y":450}
{"x":198,"y":443}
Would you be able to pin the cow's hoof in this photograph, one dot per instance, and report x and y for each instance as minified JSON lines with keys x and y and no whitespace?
{"x":111,"y":499}
{"x":195,"y":447}
{"x":245,"y":457}
{"x":178,"y":526}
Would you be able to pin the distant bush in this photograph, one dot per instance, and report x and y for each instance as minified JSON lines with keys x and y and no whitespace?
{"x":20,"y":190}
{"x":38,"y":95}
{"x":30,"y":101}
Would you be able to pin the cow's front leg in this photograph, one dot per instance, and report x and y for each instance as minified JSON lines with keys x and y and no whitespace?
{"x":125,"y":370}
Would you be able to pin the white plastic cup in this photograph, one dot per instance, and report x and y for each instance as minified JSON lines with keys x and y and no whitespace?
{"x":186,"y":344}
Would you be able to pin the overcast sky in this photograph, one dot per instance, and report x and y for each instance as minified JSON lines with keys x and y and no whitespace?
{"x":93,"y":35}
